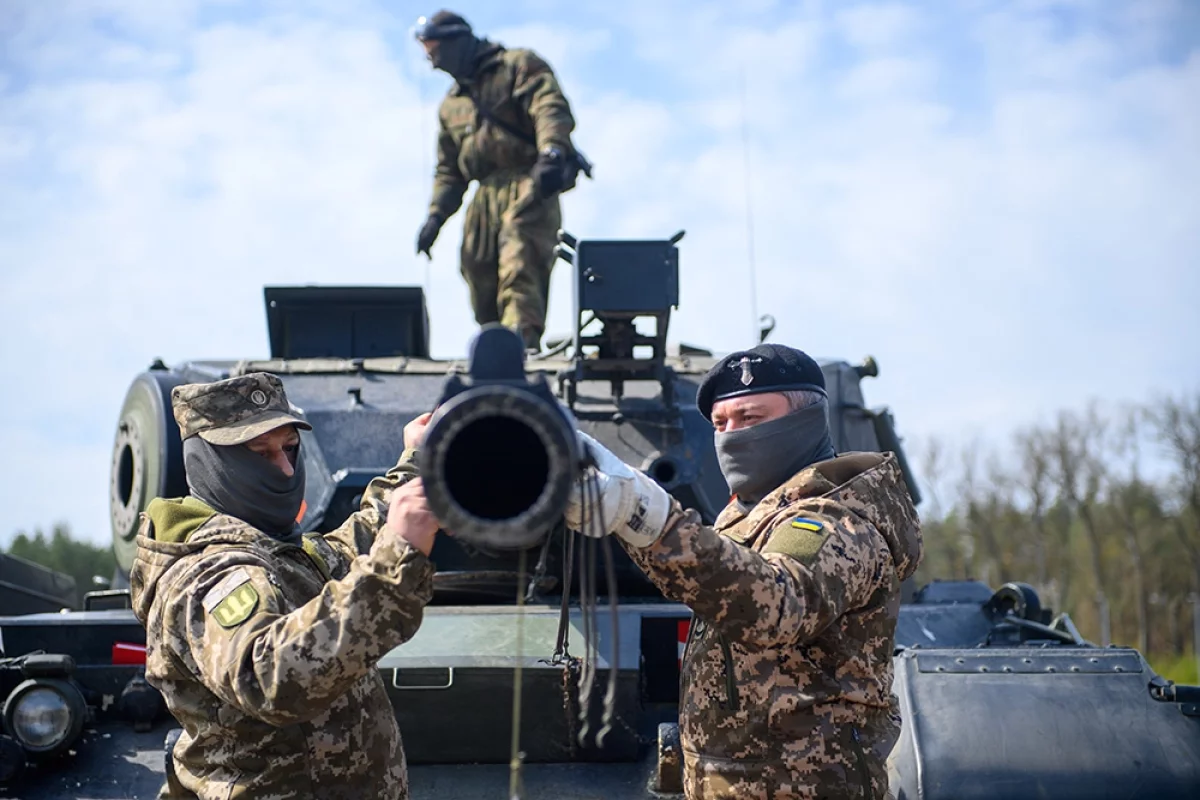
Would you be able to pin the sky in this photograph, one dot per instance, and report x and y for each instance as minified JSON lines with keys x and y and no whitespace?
{"x":997,"y":200}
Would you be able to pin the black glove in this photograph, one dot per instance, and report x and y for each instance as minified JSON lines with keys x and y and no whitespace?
{"x":428,"y":234}
{"x":548,"y":172}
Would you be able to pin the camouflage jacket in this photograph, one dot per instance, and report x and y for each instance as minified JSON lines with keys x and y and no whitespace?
{"x":518,"y":88}
{"x":265,"y":651}
{"x":786,"y":683}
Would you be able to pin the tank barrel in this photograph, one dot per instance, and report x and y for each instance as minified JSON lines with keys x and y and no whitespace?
{"x":500,"y":453}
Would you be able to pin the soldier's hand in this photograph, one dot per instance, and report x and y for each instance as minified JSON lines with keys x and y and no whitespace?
{"x":548,"y":173}
{"x":409,"y":517}
{"x":428,"y":234}
{"x":631,"y":505}
{"x":414,"y":431}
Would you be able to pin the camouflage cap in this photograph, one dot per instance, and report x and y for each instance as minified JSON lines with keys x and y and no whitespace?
{"x":233,"y":411}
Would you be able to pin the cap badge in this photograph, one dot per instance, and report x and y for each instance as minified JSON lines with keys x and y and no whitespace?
{"x":258,"y":397}
{"x":744,"y":363}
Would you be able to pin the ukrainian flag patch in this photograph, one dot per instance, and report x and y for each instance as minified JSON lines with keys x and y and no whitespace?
{"x":806,"y":524}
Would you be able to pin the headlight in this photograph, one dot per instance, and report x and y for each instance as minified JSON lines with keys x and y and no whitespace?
{"x":45,"y":715}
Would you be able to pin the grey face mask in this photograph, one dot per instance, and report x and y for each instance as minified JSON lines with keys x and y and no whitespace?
{"x":756,"y":460}
{"x":237,"y":481}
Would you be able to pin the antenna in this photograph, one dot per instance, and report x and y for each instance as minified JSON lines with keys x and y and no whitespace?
{"x":747,"y":181}
{"x":424,"y":139}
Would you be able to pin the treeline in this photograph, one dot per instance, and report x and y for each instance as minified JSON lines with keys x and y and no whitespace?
{"x":61,"y":552}
{"x":1098,"y":509}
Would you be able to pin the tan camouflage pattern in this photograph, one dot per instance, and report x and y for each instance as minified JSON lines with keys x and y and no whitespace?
{"x":289,"y":703}
{"x":233,"y":411}
{"x":786,"y":678}
{"x":509,"y":233}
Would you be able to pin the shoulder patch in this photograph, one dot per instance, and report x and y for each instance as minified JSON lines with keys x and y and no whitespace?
{"x":223,"y":589}
{"x":802,"y":539}
{"x":237,"y":607}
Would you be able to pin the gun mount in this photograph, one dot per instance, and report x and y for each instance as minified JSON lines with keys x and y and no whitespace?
{"x":618,"y":283}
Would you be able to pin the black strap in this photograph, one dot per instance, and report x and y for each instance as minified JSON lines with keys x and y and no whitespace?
{"x":573,"y":156}
{"x":504,"y":126}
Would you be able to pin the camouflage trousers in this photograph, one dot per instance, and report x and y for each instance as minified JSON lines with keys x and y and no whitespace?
{"x":508,"y":252}
{"x":825,"y":761}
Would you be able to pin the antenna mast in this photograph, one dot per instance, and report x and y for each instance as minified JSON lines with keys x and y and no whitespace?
{"x":747,"y":181}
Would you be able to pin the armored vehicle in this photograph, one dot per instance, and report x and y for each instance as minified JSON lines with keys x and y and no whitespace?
{"x":1000,"y":698}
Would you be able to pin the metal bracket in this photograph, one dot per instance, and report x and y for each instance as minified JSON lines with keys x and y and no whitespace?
{"x":423,"y":688}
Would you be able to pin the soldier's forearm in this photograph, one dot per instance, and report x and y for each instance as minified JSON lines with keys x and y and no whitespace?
{"x":745,"y":596}
{"x":290,"y":668}
{"x":447,"y":198}
{"x":552,"y":125}
{"x":357,"y":534}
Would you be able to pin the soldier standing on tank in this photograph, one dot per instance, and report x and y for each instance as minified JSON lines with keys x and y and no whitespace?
{"x":506,"y":124}
{"x":795,"y":590}
{"x":263,"y":641}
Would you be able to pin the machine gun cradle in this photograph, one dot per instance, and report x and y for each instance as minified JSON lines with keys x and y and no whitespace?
{"x":616,"y":283}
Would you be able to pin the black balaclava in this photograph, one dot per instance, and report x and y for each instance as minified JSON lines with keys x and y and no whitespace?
{"x":457,"y":56}
{"x":235,"y":480}
{"x":758,"y":459}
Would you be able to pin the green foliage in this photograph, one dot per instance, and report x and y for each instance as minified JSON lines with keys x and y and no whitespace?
{"x":1178,"y":668}
{"x":61,"y":552}
{"x":1099,"y":510}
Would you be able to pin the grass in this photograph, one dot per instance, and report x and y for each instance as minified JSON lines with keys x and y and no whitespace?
{"x":1179,"y":668}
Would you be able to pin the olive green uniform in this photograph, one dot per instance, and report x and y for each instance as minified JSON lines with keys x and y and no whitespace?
{"x":509,"y":233}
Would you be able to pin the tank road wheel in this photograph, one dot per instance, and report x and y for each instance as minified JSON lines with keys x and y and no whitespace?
{"x":147,"y":459}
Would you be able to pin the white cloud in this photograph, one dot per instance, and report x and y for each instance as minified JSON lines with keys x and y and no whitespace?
{"x":1000,"y":207}
{"x":878,"y":25}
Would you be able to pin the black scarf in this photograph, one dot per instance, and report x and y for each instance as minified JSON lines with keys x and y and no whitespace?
{"x":237,"y":481}
{"x":758,"y":459}
{"x":457,"y":56}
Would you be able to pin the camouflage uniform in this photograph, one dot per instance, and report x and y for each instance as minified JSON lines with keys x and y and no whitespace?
{"x":265,"y":651}
{"x":510,"y":232}
{"x":786,"y":679}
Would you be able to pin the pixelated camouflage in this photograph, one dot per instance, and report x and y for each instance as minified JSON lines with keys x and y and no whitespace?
{"x":510,"y":232}
{"x":786,"y":678}
{"x":266,"y":652}
{"x":233,"y":411}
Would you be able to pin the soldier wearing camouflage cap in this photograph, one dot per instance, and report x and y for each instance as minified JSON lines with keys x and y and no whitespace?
{"x":506,"y":124}
{"x":795,"y":590}
{"x":264,"y":641}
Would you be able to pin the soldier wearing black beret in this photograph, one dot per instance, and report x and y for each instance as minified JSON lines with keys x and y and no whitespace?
{"x":768,"y":406}
{"x":794,"y":590}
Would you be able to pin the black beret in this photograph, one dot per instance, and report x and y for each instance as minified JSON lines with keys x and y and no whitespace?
{"x":766,"y":368}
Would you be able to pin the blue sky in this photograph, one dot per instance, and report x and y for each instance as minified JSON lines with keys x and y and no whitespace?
{"x":996,"y":200}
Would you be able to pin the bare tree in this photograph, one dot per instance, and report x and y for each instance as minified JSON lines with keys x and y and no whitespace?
{"x":1035,"y":479}
{"x":1129,"y":501}
{"x":1176,"y":424}
{"x":1080,"y":472}
{"x":968,"y":490}
{"x":1084,"y":510}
